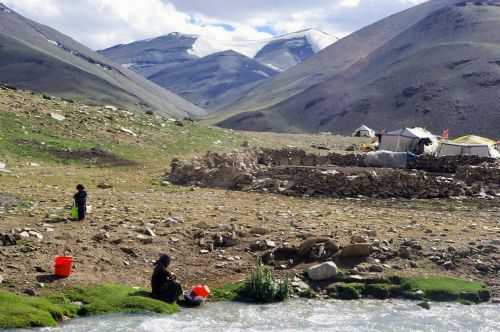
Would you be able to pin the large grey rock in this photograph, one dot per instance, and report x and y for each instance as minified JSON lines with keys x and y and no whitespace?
{"x":322,"y":271}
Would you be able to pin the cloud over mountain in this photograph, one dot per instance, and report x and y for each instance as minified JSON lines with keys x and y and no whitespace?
{"x":102,"y":23}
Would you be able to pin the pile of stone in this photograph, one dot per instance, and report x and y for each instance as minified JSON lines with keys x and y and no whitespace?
{"x":10,"y":239}
{"x":227,"y":170}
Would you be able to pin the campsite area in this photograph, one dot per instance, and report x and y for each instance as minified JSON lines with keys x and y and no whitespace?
{"x":137,"y":213}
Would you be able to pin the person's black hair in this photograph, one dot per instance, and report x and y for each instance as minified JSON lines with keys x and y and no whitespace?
{"x":80,"y":187}
{"x":164,"y":260}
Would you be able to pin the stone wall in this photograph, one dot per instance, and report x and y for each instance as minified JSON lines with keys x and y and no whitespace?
{"x":297,"y":157}
{"x":448,"y":164}
{"x":299,"y":181}
{"x":484,"y":173}
{"x":294,"y":172}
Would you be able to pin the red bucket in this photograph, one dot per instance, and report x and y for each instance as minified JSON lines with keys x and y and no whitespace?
{"x":201,"y":291}
{"x":63,"y":265}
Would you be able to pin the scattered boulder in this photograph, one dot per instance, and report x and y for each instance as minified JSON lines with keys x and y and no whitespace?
{"x":323,"y":271}
{"x":317,"y":249}
{"x":3,"y":168}
{"x":425,"y":305}
{"x":358,"y":239}
{"x":259,"y":231}
{"x":111,"y":108}
{"x":129,"y":251}
{"x":104,"y":185}
{"x":261,"y":245}
{"x":57,"y":116}
{"x":128,"y":131}
{"x":377,"y":268}
{"x":148,"y":231}
{"x":225,"y":240}
{"x":404,"y":252}
{"x":145,"y":239}
{"x":356,"y":250}
{"x":7,"y":240}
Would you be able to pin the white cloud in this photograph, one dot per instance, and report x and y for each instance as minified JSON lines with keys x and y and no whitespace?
{"x":103,"y":23}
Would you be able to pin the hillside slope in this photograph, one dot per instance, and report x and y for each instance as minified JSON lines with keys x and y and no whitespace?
{"x":333,"y":60}
{"x":442,"y":72}
{"x":36,"y":57}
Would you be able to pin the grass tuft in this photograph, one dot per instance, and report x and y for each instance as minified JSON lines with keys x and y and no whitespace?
{"x":262,"y":287}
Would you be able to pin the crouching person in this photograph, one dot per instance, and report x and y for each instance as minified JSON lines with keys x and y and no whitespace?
{"x":163,"y":284}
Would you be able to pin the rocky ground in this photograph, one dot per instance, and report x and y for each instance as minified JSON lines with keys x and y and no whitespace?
{"x":213,"y":235}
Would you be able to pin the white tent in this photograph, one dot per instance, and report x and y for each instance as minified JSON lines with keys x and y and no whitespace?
{"x":364,"y":131}
{"x":457,"y":149}
{"x":408,"y":140}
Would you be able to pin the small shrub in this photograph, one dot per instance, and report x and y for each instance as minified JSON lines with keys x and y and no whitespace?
{"x":262,"y":287}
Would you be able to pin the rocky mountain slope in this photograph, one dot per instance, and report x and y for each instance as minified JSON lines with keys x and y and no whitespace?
{"x":36,"y":57}
{"x":164,"y":58}
{"x":206,"y":80}
{"x":435,"y":65}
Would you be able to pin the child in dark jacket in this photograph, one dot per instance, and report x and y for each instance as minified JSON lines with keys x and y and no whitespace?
{"x":81,"y":201}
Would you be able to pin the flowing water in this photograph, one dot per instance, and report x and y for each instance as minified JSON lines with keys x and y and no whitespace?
{"x":303,"y":315}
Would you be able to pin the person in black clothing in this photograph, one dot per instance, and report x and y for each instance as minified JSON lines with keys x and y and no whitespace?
{"x":163,"y":284}
{"x":81,"y":201}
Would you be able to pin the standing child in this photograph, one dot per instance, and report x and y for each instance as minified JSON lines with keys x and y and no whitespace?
{"x":81,"y":201}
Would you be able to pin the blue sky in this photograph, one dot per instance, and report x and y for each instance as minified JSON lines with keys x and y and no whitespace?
{"x":103,"y":23}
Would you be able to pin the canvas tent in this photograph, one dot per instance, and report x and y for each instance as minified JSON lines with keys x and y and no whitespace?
{"x":469,"y":145}
{"x":409,"y":140}
{"x":364,"y":131}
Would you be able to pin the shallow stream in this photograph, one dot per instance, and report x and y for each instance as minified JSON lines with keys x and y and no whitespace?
{"x":302,"y":315}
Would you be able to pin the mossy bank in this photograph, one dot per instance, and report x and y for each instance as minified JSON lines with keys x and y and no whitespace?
{"x":20,"y":311}
{"x":432,"y":288}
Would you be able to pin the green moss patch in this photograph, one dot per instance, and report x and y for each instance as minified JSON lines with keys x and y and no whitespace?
{"x":106,"y":299}
{"x":380,"y":291}
{"x":439,"y":288}
{"x":17,"y":311}
{"x":228,"y":292}
{"x":350,"y":291}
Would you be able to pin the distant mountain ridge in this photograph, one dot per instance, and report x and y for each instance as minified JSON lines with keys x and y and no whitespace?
{"x":206,"y":80}
{"x":161,"y":59}
{"x":436,"y":65}
{"x":36,"y":57}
